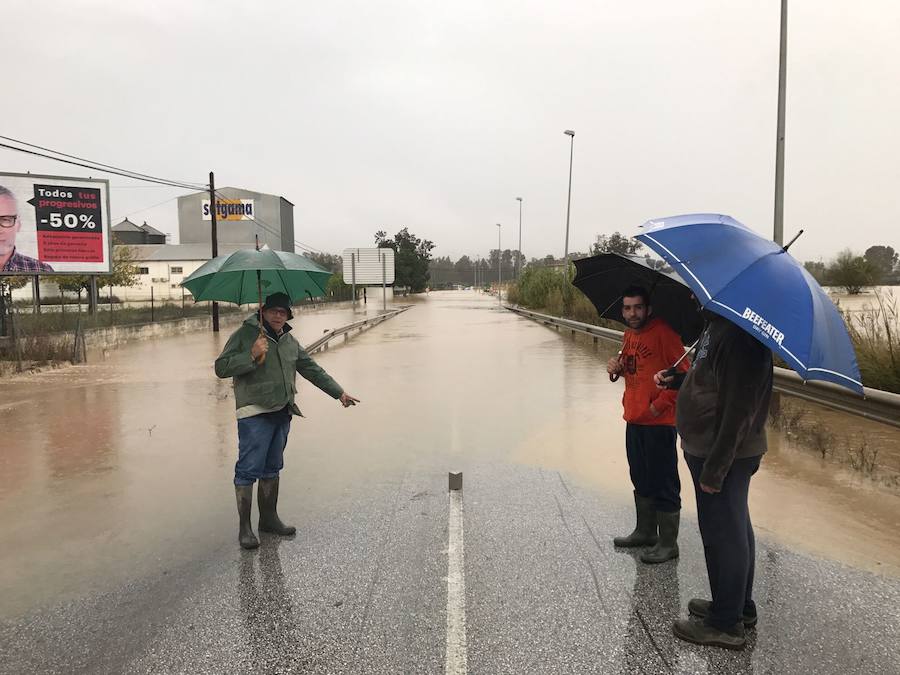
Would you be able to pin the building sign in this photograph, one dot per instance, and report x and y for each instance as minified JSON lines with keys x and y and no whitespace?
{"x":54,"y":225}
{"x":229,"y":209}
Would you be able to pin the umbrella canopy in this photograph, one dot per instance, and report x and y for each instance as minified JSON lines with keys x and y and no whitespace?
{"x":602,"y":278}
{"x":754,"y":283}
{"x":234,"y":278}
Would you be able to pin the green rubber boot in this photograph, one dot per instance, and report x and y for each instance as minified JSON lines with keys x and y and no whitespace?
{"x":268,"y":509}
{"x":667,"y":546}
{"x":244,"y":496}
{"x":645,"y":531}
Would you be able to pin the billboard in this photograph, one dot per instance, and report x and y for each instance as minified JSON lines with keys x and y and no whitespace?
{"x":54,"y":225}
{"x":229,"y":209}
{"x":364,"y":264}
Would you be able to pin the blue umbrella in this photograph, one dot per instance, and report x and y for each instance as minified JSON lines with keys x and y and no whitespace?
{"x":756,"y":284}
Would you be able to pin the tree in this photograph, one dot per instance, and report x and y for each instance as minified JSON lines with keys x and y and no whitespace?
{"x":616,"y":243}
{"x":330,"y":261}
{"x":72,"y":283}
{"x":336,"y":288}
{"x":7,"y":286}
{"x":817,"y":269}
{"x":411,"y":257}
{"x":851,"y":272}
{"x":883,"y":260}
{"x":124,"y":272}
{"x":464,"y":267}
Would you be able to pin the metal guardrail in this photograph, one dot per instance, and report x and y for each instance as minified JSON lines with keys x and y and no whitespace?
{"x":328,"y":336}
{"x":877,"y":405}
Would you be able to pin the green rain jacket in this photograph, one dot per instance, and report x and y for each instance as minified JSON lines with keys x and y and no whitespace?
{"x":272,"y":385}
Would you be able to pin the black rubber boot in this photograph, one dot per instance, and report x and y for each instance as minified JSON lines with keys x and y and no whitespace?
{"x":645,"y":531}
{"x":268,"y":509}
{"x":667,"y":546}
{"x":244,"y":496}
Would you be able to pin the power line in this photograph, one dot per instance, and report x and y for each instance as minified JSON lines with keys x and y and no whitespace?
{"x":271,"y":228}
{"x":137,"y":175}
{"x":147,"y":208}
{"x":134,"y":175}
{"x":102,"y":168}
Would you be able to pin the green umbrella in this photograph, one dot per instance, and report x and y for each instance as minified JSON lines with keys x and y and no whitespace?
{"x":247,"y":275}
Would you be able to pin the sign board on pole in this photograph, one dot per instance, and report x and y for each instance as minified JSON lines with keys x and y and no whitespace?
{"x":368,"y":267}
{"x":54,"y":225}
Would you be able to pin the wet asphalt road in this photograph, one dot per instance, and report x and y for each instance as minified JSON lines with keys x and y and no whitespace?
{"x":121,"y":556}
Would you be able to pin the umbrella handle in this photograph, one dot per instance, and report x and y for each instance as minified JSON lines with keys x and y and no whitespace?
{"x":262,"y":357}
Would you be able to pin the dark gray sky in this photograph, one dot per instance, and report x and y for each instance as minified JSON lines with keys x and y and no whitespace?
{"x":436,"y":115}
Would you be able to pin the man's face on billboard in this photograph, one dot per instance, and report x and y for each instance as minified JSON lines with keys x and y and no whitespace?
{"x":9,"y":224}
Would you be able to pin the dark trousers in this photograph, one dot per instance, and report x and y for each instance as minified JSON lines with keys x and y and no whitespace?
{"x":653,"y":464}
{"x":728,"y":541}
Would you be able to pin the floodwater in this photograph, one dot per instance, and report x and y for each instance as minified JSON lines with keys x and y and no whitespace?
{"x":881,"y":301}
{"x":123,"y":466}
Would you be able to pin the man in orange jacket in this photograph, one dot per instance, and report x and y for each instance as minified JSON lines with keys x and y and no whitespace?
{"x":650,"y":346}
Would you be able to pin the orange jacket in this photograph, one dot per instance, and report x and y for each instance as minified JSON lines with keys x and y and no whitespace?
{"x":645,"y":352}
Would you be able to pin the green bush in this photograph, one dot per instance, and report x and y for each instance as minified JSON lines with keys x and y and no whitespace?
{"x":545,"y":289}
{"x":877,"y":341}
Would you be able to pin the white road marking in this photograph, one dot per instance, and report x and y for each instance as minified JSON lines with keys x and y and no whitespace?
{"x":456,"y":662}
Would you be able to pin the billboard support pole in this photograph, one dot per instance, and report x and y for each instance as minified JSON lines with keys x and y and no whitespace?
{"x":92,"y":302}
{"x":14,"y":330}
{"x":36,"y":293}
{"x":353,"y":275}
{"x":215,"y":242}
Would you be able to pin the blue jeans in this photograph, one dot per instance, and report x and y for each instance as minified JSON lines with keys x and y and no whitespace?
{"x":261,"y":441}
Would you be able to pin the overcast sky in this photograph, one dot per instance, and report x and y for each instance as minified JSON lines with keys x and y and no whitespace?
{"x":437,"y":115}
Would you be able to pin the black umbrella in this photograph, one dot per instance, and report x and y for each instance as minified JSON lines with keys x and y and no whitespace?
{"x":602,"y":278}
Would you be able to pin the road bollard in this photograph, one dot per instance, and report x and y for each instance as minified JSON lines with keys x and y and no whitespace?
{"x":455,"y":480}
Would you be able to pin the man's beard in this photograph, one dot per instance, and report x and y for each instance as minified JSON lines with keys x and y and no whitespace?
{"x":637,"y":324}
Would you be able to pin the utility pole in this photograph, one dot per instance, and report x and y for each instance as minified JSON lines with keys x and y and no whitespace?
{"x":383,"y":283}
{"x":779,"y":141}
{"x":571,"y":134}
{"x":519,"y":251}
{"x":499,"y":269}
{"x":215,"y":242}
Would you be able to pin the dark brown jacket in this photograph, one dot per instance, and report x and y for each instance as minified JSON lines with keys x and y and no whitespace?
{"x":723,"y":403}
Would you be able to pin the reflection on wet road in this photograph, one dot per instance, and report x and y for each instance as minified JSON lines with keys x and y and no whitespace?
{"x":121,"y":547}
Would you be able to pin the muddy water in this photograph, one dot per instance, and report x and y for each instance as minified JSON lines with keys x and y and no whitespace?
{"x":109,"y":468}
{"x":122,"y":467}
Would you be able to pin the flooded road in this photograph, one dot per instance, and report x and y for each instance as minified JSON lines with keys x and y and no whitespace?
{"x":118,"y":485}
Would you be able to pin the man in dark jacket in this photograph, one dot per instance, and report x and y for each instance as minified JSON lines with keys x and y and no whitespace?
{"x":721,"y":412}
{"x":264,"y":369}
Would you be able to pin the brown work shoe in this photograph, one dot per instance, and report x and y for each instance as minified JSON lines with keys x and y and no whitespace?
{"x":694,"y":630}
{"x":700,"y":609}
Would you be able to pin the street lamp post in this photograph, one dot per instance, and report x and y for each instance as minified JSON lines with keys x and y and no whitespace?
{"x":499,"y":269}
{"x":519,"y":250}
{"x":778,"y":234}
{"x":571,"y":134}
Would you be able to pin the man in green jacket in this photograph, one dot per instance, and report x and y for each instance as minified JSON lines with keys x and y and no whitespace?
{"x":264,"y":368}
